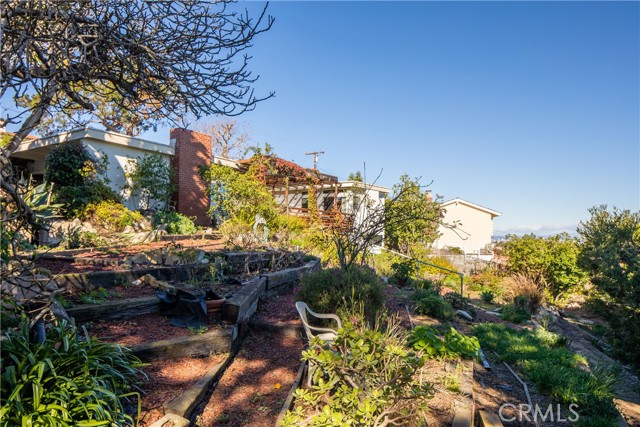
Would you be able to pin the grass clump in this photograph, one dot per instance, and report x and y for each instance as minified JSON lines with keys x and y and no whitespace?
{"x":327,"y":290}
{"x":555,"y":370}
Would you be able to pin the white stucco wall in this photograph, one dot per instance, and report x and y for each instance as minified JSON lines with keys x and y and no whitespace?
{"x":119,"y":157}
{"x":472,"y":234}
{"x":118,"y":148}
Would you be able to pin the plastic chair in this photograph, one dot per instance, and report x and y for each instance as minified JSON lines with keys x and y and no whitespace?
{"x":325,"y":334}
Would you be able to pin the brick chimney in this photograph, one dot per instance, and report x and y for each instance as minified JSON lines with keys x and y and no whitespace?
{"x":193,"y":150}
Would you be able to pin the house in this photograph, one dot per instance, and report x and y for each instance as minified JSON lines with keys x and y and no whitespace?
{"x":186,"y":151}
{"x":472,"y":227}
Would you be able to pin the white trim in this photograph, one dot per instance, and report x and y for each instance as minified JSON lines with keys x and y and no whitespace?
{"x":97,"y":135}
{"x":458,"y":200}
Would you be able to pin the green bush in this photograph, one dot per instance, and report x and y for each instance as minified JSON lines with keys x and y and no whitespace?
{"x":373,"y":373}
{"x":69,"y":380}
{"x":514,"y":314}
{"x":404,"y":271}
{"x":175,"y":223}
{"x":84,"y":239}
{"x":112,"y":216}
{"x":71,"y":165}
{"x":327,"y":290}
{"x":488,"y":279}
{"x":452,"y":345}
{"x":75,"y":199}
{"x":457,"y":301}
{"x":487,"y":296}
{"x":429,"y":303}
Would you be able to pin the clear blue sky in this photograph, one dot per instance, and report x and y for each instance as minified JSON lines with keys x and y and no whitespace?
{"x":531,"y":109}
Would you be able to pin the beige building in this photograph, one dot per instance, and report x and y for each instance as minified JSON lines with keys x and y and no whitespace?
{"x":466,"y":226}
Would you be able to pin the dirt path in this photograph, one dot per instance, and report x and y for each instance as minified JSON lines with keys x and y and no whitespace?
{"x":626,"y":390}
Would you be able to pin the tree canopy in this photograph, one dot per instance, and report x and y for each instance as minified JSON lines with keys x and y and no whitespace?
{"x":151,"y":60}
{"x":410,"y":216}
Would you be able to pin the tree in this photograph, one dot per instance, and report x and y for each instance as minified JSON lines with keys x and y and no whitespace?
{"x":355,"y":176}
{"x":353,"y":235}
{"x":552,"y":261}
{"x":238,"y":195}
{"x":147,"y":60}
{"x":150,"y":59}
{"x":610,"y":253}
{"x":150,"y":178}
{"x":412,"y":218}
{"x":226,"y":137}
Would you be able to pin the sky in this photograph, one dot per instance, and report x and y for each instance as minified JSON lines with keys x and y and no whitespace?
{"x":528,"y":108}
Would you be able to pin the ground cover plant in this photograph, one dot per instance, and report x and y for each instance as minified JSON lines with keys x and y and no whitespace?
{"x":449,"y":345}
{"x":555,"y":370}
{"x":68,"y":380}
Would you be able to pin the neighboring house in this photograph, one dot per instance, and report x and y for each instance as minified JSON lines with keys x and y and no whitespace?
{"x":473,"y":227}
{"x":290,"y":187}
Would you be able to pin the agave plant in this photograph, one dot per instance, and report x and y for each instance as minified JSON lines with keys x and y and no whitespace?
{"x":69,"y":380}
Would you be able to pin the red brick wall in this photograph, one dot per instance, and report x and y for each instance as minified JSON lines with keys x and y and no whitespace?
{"x":193,"y":149}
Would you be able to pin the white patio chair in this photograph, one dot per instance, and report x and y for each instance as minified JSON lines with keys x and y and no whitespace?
{"x":325,"y":334}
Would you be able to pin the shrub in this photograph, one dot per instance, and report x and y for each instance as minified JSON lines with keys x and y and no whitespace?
{"x":456,"y":300}
{"x":150,"y":178}
{"x":326,"y":290}
{"x":75,"y":199}
{"x":514,"y":314}
{"x":429,"y":303}
{"x":175,"y":223}
{"x":84,"y":239}
{"x":489,"y":278}
{"x":111,"y":215}
{"x":526,"y":291}
{"x":352,"y":387}
{"x":403,"y":271}
{"x":67,"y":380}
{"x":553,"y":260}
{"x":610,"y":253}
{"x":71,"y":165}
{"x":487,"y":296}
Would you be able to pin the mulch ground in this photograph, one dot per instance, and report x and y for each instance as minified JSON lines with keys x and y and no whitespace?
{"x":141,"y":329}
{"x":168,"y":378}
{"x":253,"y":388}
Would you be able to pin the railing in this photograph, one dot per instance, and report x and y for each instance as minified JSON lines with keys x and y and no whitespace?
{"x":326,"y":217}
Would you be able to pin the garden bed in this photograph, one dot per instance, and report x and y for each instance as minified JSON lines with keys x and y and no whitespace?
{"x":168,"y":378}
{"x":253,"y":388}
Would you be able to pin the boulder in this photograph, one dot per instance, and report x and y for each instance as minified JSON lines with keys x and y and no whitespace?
{"x":140,"y":259}
{"x":128,"y":230}
{"x":171,"y":259}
